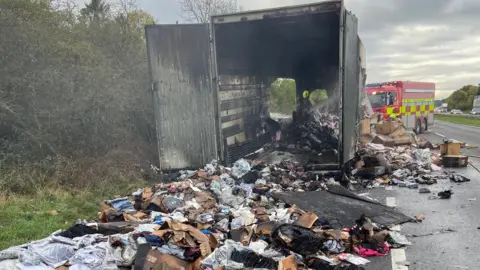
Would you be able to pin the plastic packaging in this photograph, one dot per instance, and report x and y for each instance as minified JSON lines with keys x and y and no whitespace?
{"x":240,"y":168}
{"x":262,"y":182}
{"x":177,"y":216}
{"x":399,"y":238}
{"x":121,"y":204}
{"x":237,"y":223}
{"x":10,"y":253}
{"x":221,"y":256}
{"x":146,"y":227}
{"x":210,"y":169}
{"x":423,"y":156}
{"x":205,"y":218}
{"x":227,"y":198}
{"x":227,"y":179}
{"x":49,"y":253}
{"x":248,"y":188}
{"x":91,"y":257}
{"x":333,"y":246}
{"x":258,"y":246}
{"x":222,"y":225}
{"x":245,"y":213}
{"x":172,"y":203}
{"x":356,"y":260}
{"x":412,"y":185}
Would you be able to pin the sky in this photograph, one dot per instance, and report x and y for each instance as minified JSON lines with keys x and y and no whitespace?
{"x":417,"y":40}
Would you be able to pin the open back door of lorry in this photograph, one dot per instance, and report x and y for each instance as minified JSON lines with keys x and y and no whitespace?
{"x":351,"y":84}
{"x":184,"y":101}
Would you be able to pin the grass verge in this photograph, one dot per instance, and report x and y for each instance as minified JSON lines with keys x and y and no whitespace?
{"x":25,"y":218}
{"x":463,"y":120}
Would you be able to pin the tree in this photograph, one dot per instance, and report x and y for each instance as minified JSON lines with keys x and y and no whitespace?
{"x":199,"y":11}
{"x":95,"y":10}
{"x":462,"y":99}
{"x":282,"y":96}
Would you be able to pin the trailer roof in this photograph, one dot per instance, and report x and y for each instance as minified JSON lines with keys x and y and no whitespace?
{"x":324,"y":6}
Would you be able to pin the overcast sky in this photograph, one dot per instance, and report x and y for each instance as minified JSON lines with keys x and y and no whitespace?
{"x":416,"y":40}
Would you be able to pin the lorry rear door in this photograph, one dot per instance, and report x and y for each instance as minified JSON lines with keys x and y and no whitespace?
{"x":185,"y":102}
{"x":351,"y":89}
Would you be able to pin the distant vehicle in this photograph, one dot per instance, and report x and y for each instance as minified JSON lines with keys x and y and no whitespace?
{"x":476,"y":106}
{"x":456,"y":112}
{"x":443,"y":108}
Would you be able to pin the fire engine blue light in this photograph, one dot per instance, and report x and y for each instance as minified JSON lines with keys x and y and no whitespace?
{"x":371,"y":85}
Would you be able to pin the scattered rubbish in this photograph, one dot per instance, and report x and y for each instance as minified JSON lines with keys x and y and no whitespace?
{"x":412,"y":185}
{"x":446,"y":194}
{"x":216,"y":217}
{"x":399,"y":238}
{"x":356,"y":260}
{"x":250,"y":215}
{"x":458,"y":178}
{"x":419,"y":218}
{"x":424,"y":190}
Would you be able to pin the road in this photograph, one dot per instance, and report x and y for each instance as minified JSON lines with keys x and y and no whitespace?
{"x":448,"y":238}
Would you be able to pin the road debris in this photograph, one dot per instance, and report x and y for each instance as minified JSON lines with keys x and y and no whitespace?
{"x":419,"y":218}
{"x":209,"y":218}
{"x":446,"y":194}
{"x":252,"y":215}
{"x":424,"y":190}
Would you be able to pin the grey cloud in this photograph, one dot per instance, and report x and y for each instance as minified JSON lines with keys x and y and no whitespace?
{"x":164,"y":11}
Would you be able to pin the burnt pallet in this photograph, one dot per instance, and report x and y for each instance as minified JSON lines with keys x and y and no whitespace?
{"x":455,"y":161}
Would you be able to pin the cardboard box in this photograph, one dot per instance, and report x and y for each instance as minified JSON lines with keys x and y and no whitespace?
{"x":385,"y":140}
{"x":306,"y":220}
{"x":156,"y":260}
{"x":399,"y":132}
{"x":404,"y":140}
{"x":451,"y":149}
{"x":365,"y":128}
{"x":366,"y":138}
{"x":288,"y":263}
{"x":387,"y":127}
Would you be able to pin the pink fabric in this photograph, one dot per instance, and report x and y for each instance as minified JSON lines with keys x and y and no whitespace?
{"x":370,"y":252}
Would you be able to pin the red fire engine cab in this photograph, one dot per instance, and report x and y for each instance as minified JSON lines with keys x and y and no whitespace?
{"x":413,"y":102}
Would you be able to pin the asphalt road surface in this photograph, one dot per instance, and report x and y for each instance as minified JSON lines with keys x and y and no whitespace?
{"x":449,"y":237}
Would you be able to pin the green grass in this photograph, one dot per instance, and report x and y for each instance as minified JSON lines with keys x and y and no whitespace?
{"x":26,"y":218}
{"x":459,"y":119}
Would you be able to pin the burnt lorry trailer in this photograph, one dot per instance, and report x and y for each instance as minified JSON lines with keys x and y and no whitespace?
{"x":210,"y":81}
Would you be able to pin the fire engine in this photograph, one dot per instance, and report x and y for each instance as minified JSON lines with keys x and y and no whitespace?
{"x":413,"y":102}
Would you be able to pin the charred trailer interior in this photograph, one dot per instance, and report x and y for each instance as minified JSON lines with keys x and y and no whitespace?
{"x":210,"y":82}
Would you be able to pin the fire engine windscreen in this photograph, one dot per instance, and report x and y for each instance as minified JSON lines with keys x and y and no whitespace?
{"x":380,"y":99}
{"x":254,"y":50}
